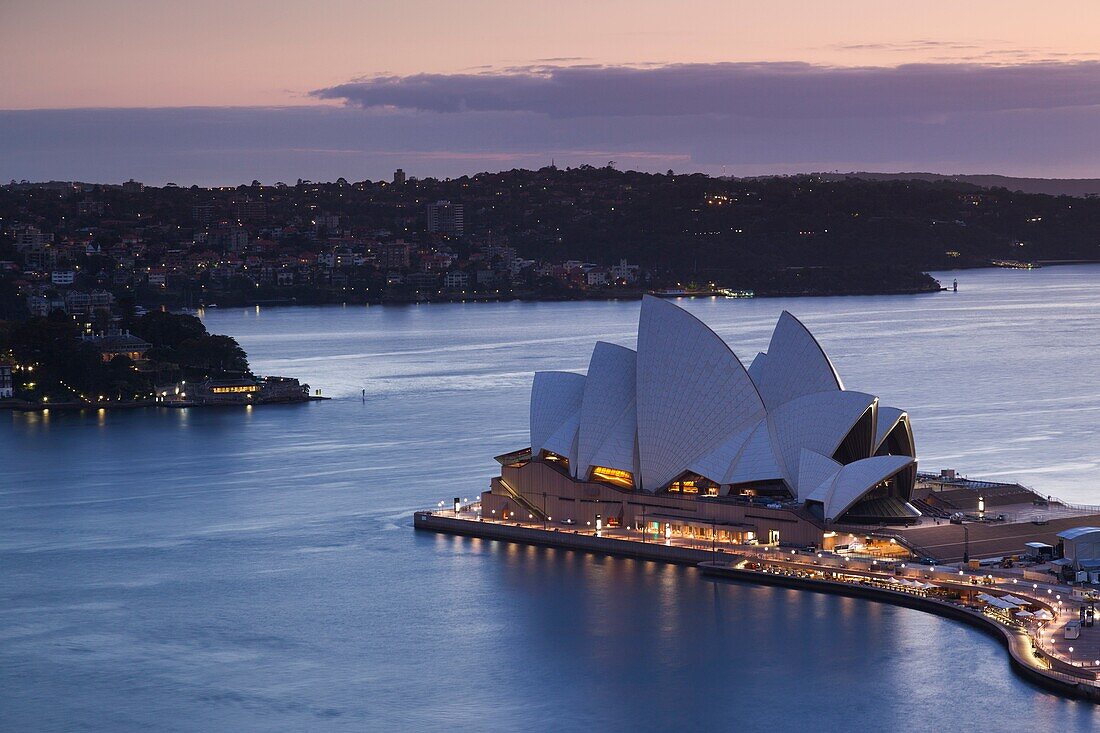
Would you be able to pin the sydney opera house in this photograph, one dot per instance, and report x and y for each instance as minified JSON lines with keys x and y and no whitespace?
{"x":679,"y":436}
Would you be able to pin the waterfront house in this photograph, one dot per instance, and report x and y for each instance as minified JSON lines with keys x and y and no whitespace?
{"x":244,"y":390}
{"x":118,"y":343}
{"x":6,"y":386}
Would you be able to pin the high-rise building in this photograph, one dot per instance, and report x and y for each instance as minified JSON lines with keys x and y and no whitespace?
{"x":203,"y":213}
{"x":399,"y":177}
{"x":393,"y":255}
{"x":445,"y":217}
{"x":248,"y":210}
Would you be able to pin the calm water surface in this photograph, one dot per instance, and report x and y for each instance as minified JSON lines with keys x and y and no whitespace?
{"x":256,"y":570}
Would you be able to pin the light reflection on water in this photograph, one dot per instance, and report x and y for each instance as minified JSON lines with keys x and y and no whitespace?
{"x":224,"y":569}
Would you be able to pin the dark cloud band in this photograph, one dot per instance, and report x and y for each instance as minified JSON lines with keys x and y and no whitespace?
{"x":746,"y":119}
{"x":766,"y":90}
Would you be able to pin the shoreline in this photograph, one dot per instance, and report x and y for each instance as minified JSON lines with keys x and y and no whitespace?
{"x":525,"y":297}
{"x":1024,"y":658}
{"x":512,"y":298}
{"x":13,"y":405}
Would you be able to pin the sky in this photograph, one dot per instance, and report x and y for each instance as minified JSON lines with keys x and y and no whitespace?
{"x":221,"y":93}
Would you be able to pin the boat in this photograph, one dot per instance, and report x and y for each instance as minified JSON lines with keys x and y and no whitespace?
{"x":1016,"y":264}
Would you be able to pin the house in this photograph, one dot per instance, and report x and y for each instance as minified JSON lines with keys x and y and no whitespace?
{"x":5,"y":380}
{"x":118,"y":343}
{"x":78,"y":303}
{"x":596,"y":276}
{"x":456,"y":280}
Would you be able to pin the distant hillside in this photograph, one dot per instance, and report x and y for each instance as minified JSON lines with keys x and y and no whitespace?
{"x":773,"y":235}
{"x":1051,"y":186}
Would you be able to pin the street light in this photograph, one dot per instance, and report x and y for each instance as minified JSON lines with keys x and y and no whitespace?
{"x":714,"y":539}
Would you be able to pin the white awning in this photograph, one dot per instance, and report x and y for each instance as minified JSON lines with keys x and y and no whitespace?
{"x":996,"y":602}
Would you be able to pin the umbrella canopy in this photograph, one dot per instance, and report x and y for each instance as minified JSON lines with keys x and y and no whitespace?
{"x":996,"y":602}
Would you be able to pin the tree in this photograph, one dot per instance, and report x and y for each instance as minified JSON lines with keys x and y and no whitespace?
{"x":212,"y":356}
{"x":167,"y":329}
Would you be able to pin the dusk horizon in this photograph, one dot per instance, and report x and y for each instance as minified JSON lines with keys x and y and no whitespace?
{"x":858,"y":88}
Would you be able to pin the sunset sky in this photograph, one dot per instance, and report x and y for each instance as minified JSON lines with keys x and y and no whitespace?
{"x":195,"y":92}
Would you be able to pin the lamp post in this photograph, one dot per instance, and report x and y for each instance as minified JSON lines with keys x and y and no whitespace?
{"x":714,"y":539}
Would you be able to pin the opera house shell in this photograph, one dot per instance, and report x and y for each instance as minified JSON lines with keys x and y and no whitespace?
{"x":682,"y":416}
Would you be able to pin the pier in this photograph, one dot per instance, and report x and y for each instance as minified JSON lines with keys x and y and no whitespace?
{"x":1028,"y":617}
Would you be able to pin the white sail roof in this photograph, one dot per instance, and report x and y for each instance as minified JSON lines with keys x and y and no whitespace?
{"x":718,"y":464}
{"x":795,"y":365}
{"x":555,"y":397}
{"x":817,"y":422}
{"x":609,"y":415}
{"x":564,"y":441}
{"x":756,"y":461}
{"x":756,"y":369}
{"x":855,"y":480}
{"x":693,"y":392}
{"x":889,"y":420}
{"x":814,"y":469}
{"x":888,"y":417}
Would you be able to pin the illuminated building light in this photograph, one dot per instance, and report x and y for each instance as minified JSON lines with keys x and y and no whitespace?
{"x":613,"y":476}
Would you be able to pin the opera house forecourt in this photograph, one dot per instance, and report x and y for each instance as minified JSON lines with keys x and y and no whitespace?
{"x":679,"y":439}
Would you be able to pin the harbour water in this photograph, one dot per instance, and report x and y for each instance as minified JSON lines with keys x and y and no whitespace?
{"x":234,"y":569}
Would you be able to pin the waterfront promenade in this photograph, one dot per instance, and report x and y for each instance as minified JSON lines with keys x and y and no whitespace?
{"x":1031,"y":627}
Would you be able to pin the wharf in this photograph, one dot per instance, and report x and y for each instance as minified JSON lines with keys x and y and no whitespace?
{"x":950,"y":592}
